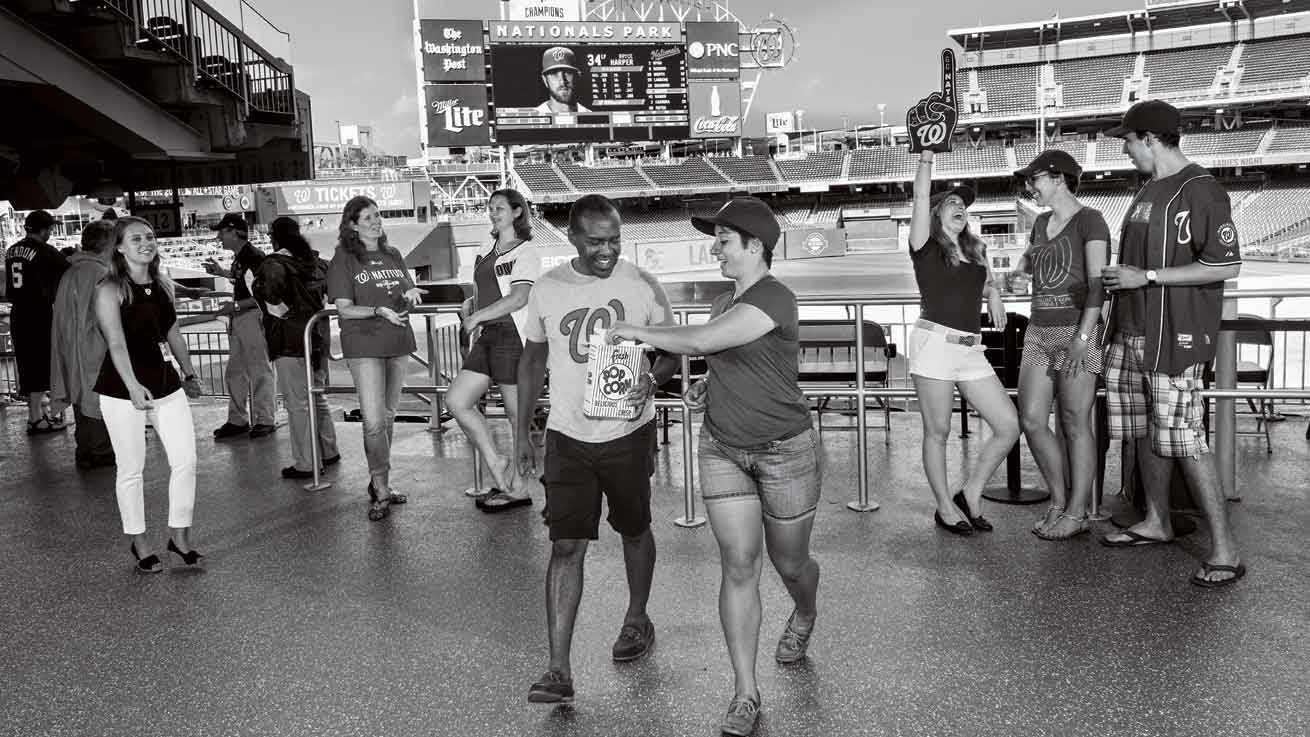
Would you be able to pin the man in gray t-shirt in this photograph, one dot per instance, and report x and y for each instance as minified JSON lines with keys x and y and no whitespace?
{"x":589,"y":457}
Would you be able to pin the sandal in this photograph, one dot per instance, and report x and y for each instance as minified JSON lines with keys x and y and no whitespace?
{"x":1082,"y":528}
{"x":1047,"y":520}
{"x":45,"y":425}
{"x":378,"y":508}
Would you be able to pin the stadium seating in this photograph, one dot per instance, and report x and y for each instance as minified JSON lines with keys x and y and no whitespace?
{"x":1113,"y":204}
{"x":746,"y":169}
{"x":1179,"y":70}
{"x":658,"y":225}
{"x":1278,"y":207}
{"x":1010,"y":89}
{"x":1290,"y":138}
{"x":1095,"y":81}
{"x":543,"y":233}
{"x":540,"y":178}
{"x":967,"y":159}
{"x":1275,"y":60}
{"x":606,"y":178}
{"x":1026,"y":151}
{"x":693,"y":172}
{"x":818,"y":166}
{"x":1210,"y":143}
{"x":868,"y":164}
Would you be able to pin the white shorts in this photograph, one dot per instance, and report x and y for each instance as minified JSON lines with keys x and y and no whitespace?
{"x":932,"y":356}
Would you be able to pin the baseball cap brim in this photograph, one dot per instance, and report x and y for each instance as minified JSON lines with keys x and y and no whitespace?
{"x":550,"y":69}
{"x":705,"y":225}
{"x":963,"y":191}
{"x":1118,"y":131}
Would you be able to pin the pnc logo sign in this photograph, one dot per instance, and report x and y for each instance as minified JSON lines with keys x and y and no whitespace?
{"x":698,"y":50}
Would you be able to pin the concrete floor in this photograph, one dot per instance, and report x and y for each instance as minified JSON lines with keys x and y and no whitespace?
{"x":309,"y":620}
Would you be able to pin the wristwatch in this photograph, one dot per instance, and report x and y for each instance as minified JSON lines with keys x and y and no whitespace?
{"x":650,"y":375}
{"x":1083,"y":337}
{"x":1150,"y":276}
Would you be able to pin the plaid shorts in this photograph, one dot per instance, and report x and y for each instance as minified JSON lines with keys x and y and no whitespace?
{"x":1145,"y":403}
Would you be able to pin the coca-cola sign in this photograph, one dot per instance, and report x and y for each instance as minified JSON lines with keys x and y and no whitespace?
{"x":715,"y":109}
{"x":457,"y":115}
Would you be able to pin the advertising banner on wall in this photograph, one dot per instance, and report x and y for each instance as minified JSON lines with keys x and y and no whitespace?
{"x":325,"y":198}
{"x":457,"y":115}
{"x":715,"y":109}
{"x":452,"y":50}
{"x":713,"y":51}
{"x":815,"y":243}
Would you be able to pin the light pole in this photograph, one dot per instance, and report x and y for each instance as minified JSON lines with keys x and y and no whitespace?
{"x":800,"y":126}
{"x":882,"y":123}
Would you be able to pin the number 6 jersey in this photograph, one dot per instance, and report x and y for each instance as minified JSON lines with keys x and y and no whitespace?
{"x":564,"y":310}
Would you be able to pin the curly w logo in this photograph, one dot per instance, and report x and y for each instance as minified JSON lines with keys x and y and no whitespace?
{"x":1183,"y":221}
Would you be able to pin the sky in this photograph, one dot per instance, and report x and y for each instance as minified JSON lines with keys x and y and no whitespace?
{"x":356,"y":61}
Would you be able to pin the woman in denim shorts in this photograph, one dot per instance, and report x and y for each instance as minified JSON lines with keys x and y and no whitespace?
{"x":1068,"y":248}
{"x":946,"y":351}
{"x":759,"y":454}
{"x":503,"y":278}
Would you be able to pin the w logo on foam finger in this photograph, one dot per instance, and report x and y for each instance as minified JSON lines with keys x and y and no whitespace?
{"x":931,"y":122}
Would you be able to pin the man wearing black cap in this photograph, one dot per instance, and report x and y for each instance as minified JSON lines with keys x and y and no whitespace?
{"x":249,"y":376}
{"x":559,"y":72}
{"x":33,"y":268}
{"x":1177,"y":247}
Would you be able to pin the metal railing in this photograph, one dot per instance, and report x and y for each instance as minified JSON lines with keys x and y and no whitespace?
{"x":1224,"y":393}
{"x":219,"y":53}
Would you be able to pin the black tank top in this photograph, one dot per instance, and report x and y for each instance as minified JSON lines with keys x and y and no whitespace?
{"x":146,"y":322}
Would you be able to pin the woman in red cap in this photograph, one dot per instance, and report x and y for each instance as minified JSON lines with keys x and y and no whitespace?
{"x":946,"y":350}
{"x":1068,"y":248}
{"x":759,"y":454}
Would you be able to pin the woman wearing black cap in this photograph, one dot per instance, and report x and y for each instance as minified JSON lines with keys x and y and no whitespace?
{"x":1068,"y":248}
{"x":759,"y":454}
{"x":291,"y":286}
{"x":946,"y":351}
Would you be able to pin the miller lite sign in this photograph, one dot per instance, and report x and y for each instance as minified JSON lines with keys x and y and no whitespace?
{"x":457,"y":115}
{"x":715,"y":109}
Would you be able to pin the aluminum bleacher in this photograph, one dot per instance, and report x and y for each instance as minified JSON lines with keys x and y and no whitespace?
{"x":818,"y":166}
{"x":693,"y":172}
{"x":606,"y":178}
{"x":746,"y":169}
{"x":1179,"y":70}
{"x":540,"y":178}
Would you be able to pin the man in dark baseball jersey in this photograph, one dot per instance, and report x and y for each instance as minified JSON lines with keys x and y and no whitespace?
{"x":33,"y":268}
{"x":1177,"y":247}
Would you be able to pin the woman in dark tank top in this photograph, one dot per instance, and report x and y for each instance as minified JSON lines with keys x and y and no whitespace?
{"x":138,"y":382}
{"x":950,"y":266}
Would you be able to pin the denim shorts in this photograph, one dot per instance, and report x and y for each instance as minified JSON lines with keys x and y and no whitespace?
{"x":784,"y":475}
{"x":496,"y":353}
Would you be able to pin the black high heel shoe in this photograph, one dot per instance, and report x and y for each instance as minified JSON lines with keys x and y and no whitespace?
{"x":962,"y":528}
{"x":980,"y":522}
{"x":191,"y":558}
{"x":148,"y":564}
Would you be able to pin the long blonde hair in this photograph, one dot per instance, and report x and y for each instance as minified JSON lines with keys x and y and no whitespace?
{"x":118,"y":275}
{"x":971,"y":248}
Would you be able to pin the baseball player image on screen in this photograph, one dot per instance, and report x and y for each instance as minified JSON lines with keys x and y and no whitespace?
{"x":559,"y":72}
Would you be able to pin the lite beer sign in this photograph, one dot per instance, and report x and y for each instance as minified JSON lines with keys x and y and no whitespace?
{"x":457,"y":115}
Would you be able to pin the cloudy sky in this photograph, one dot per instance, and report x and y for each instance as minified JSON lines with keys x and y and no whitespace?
{"x":356,"y":60}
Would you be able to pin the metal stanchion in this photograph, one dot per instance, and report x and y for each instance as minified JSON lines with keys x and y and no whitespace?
{"x":318,"y":484}
{"x":861,"y":503}
{"x":476,"y":489}
{"x":434,"y":376}
{"x":1225,"y":410}
{"x":688,"y":518}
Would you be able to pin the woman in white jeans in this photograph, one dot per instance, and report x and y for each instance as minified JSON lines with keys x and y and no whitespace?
{"x":138,"y":382}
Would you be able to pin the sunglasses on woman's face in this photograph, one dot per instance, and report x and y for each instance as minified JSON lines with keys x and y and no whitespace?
{"x":1034,"y":179}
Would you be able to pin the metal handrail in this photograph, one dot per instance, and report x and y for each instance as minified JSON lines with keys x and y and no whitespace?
{"x":1225,"y":392}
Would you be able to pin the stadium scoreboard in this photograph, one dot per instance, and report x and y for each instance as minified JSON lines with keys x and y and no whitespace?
{"x":580,"y":82}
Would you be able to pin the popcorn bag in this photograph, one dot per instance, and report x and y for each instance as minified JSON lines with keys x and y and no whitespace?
{"x":612,"y":372}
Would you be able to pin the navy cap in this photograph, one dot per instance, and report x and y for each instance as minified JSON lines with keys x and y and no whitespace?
{"x":964,"y":191}
{"x":38,"y":220}
{"x":558,"y":57}
{"x":233,"y":221}
{"x":1054,"y":161}
{"x":750,"y":215}
{"x":1152,"y":116}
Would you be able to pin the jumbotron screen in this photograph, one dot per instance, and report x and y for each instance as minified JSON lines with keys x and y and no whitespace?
{"x":599,"y":82}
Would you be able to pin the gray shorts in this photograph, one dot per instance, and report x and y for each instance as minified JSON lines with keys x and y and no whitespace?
{"x":783,"y":475}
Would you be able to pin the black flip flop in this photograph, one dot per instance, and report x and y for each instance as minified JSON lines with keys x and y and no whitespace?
{"x":1238,"y":571}
{"x":512,"y":503}
{"x":481,"y":499}
{"x":1134,"y":540}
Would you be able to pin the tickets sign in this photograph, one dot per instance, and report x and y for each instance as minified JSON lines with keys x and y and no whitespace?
{"x":452,"y":51}
{"x":315,"y":199}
